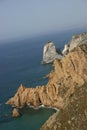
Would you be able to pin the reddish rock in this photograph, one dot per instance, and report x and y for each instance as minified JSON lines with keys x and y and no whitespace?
{"x":70,"y":72}
{"x":15,"y":112}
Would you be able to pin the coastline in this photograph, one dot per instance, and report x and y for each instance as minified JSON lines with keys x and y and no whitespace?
{"x":42,"y":106}
{"x":48,"y":94}
{"x":61,"y":85}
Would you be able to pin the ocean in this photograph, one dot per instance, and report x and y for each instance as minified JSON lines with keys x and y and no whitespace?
{"x":20,"y":62}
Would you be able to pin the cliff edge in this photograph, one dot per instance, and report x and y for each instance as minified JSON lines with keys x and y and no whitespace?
{"x":69,"y":72}
{"x":65,"y":90}
{"x":73,"y":116}
{"x":75,"y":41}
{"x":50,"y":53}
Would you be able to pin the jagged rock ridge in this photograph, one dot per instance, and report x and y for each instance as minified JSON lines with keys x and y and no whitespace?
{"x":65,"y":90}
{"x":75,"y":41}
{"x":50,"y":52}
{"x":68,"y":72}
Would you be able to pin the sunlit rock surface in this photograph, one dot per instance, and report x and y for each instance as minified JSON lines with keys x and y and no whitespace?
{"x":65,"y":90}
{"x":67,"y":73}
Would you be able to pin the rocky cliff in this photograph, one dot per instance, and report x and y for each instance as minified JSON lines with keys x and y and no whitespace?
{"x":65,"y":90}
{"x":50,"y":52}
{"x":73,"y":116}
{"x":69,"y":72}
{"x":75,"y":41}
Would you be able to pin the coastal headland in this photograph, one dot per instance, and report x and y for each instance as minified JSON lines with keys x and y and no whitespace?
{"x":67,"y":85}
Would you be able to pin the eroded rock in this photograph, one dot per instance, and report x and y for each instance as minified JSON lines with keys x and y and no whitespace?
{"x":75,"y":41}
{"x":73,"y":116}
{"x":16,"y":112}
{"x":66,"y":49}
{"x":65,"y":90}
{"x":50,"y":53}
{"x":78,"y":40}
{"x":68,"y":72}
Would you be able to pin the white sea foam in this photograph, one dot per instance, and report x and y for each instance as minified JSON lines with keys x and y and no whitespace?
{"x":42,"y":106}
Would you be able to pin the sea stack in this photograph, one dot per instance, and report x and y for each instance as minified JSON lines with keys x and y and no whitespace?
{"x":15,"y":113}
{"x":50,"y":53}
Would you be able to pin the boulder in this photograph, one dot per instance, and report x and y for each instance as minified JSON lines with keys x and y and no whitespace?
{"x":50,"y":53}
{"x":15,"y":112}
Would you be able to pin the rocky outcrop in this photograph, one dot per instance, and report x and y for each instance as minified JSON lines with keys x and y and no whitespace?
{"x":50,"y":53}
{"x":73,"y":116}
{"x":78,"y":40}
{"x":16,"y":112}
{"x":66,"y":49}
{"x":69,"y":72}
{"x":75,"y":41}
{"x":65,"y":90}
{"x":25,"y":96}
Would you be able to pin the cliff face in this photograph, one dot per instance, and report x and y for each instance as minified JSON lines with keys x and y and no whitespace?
{"x":50,"y":52}
{"x":78,"y":40}
{"x":68,"y":73}
{"x":73,"y":116}
{"x":75,"y":41}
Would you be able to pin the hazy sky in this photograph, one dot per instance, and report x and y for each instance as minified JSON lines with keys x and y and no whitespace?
{"x":20,"y":18}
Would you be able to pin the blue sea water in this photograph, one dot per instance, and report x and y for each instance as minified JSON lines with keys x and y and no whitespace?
{"x":20,"y":62}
